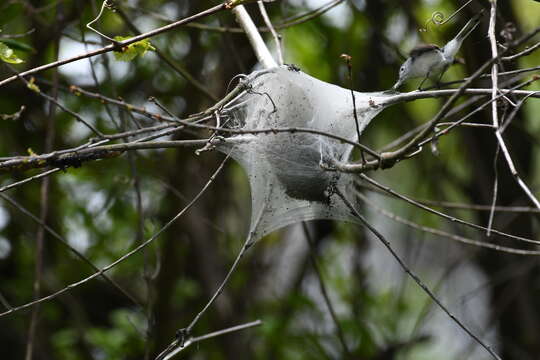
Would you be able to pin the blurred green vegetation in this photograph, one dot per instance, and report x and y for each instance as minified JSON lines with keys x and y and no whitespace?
{"x":96,"y":207}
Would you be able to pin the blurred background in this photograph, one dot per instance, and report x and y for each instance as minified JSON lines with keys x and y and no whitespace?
{"x":105,"y":208}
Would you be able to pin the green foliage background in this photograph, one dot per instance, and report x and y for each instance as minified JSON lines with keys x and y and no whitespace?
{"x":95,"y":207}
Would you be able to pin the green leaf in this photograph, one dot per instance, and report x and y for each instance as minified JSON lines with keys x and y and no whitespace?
{"x":32,"y":86}
{"x":7,"y":55}
{"x":17,"y":45}
{"x":131,"y":51}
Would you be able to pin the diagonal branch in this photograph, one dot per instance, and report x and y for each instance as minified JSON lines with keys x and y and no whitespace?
{"x":119,"y":45}
{"x":443,"y":215}
{"x":123,"y":257}
{"x":171,"y":351}
{"x":415,"y":277}
{"x":324,"y":292}
{"x":65,"y":243}
{"x":257,"y":42}
{"x":445,"y":234}
{"x":174,"y":65}
{"x":389,"y":159}
{"x":495,"y":119}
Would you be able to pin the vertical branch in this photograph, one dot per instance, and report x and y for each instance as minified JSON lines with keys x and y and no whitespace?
{"x":348,"y":59}
{"x":495,"y":120}
{"x":277,"y":37}
{"x":44,"y":209}
{"x":260,"y":48}
{"x":132,"y":158}
{"x":494,"y":112}
{"x":324,"y":292}
{"x":495,"y":191}
{"x":494,"y":66}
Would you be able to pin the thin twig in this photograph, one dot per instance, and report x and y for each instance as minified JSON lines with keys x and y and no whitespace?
{"x":465,"y":124}
{"x":275,"y":35}
{"x":170,"y":353}
{"x":120,"y":44}
{"x":445,"y":234}
{"x":16,"y":36}
{"x":247,"y":244}
{"x":125,"y":256}
{"x":76,"y":90}
{"x":389,"y":159}
{"x":28,"y":179}
{"x":413,"y":275}
{"x":440,"y":133}
{"x":494,"y":112}
{"x":452,"y":112}
{"x":65,"y":243}
{"x":103,"y":6}
{"x":57,"y":103}
{"x":514,"y":112}
{"x":173,"y":64}
{"x":462,"y":206}
{"x":348,"y":59}
{"x":324,"y":292}
{"x":260,"y":48}
{"x":495,"y":191}
{"x":44,"y":211}
{"x":75,"y":158}
{"x":505,"y":73}
{"x":522,"y":53}
{"x":443,"y":215}
{"x":287,"y":23}
{"x":183,"y":335}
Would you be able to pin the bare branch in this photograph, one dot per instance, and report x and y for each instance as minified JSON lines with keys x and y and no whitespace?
{"x":125,"y":256}
{"x":275,"y":35}
{"x":260,"y":48}
{"x":525,"y":52}
{"x":443,"y":215}
{"x":445,"y":234}
{"x":324,"y":292}
{"x":415,"y":277}
{"x":118,"y":45}
{"x":66,"y":244}
{"x":172,"y":350}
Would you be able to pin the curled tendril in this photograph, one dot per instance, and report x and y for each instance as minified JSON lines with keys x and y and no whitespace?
{"x":438,"y":19}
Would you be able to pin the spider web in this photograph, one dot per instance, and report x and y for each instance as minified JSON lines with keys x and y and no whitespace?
{"x":288,"y":184}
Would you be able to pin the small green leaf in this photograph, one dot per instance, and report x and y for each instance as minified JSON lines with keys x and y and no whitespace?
{"x":17,"y":45}
{"x":131,"y":51}
{"x":7,"y":55}
{"x":32,"y":86}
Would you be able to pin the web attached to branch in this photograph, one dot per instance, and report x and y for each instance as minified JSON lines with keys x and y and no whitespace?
{"x":288,"y":183}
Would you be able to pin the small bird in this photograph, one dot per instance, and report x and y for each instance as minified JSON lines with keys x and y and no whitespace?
{"x":430,"y":61}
